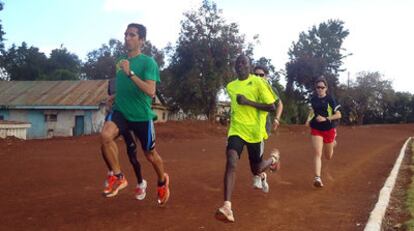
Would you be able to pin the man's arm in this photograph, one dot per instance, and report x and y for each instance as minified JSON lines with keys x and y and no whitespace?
{"x":147,"y":86}
{"x":242,"y":100}
{"x":279,"y":110}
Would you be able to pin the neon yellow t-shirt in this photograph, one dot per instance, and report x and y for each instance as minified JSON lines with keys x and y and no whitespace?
{"x":248,"y":122}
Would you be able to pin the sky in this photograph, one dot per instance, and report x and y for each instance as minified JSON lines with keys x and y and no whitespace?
{"x":381,"y":35}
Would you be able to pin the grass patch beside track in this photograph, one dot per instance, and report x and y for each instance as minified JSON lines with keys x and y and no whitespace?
{"x":410,"y":194}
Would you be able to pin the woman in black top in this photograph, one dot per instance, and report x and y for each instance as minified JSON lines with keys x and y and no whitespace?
{"x":322,"y":114}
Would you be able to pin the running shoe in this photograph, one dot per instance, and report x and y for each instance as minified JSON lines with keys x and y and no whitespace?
{"x":109,"y":181}
{"x":114,"y":185}
{"x":224,"y":214}
{"x":140,"y":190}
{"x":317,"y":182}
{"x":109,"y":174}
{"x":257,"y":182}
{"x":275,"y":155}
{"x":164,"y":191}
{"x":265,"y":185}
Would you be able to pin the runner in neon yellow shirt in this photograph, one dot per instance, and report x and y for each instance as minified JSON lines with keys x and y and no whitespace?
{"x":251,"y":100}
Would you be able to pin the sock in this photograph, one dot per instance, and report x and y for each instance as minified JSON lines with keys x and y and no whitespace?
{"x":119,"y":175}
{"x":161,"y":183}
{"x":227,"y":204}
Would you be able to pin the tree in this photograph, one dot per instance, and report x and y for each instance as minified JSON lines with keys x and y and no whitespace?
{"x":3,"y":73}
{"x":368,"y":98}
{"x":399,"y":109}
{"x":202,"y":62}
{"x":61,"y":61}
{"x":154,"y":52}
{"x":318,"y":52}
{"x":23,"y":63}
{"x":101,"y":62}
{"x":61,"y":74}
{"x":1,"y":31}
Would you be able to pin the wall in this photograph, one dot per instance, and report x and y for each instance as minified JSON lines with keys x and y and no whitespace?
{"x":162,"y":115}
{"x":5,"y":114}
{"x":12,"y":129}
{"x":64,"y":124}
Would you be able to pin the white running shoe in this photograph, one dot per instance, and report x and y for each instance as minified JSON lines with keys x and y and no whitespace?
{"x":224,"y":214}
{"x":317,"y":182}
{"x":140,"y":190}
{"x":265,"y":185}
{"x":257,"y":182}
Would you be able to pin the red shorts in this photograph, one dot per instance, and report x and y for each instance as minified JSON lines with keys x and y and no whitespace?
{"x":328,"y":136}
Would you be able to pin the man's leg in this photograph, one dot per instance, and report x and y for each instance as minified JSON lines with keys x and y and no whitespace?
{"x":109,"y":148}
{"x":131,"y":147}
{"x":258,"y":165}
{"x":109,"y":133}
{"x":157,"y":163}
{"x":234,"y":147}
{"x":224,"y":213}
{"x":145,"y":132}
{"x":230,"y":173}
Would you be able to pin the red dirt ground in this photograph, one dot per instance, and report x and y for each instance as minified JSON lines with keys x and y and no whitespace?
{"x":56,"y":184}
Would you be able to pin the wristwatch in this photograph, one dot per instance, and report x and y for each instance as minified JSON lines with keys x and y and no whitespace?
{"x":131,"y":73}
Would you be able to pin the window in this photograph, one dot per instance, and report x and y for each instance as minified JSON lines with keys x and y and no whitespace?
{"x":50,"y":118}
{"x":1,"y":117}
{"x":163,"y":116}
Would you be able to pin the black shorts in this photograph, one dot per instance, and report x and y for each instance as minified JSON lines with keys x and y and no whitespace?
{"x":255,"y":150}
{"x":144,"y":131}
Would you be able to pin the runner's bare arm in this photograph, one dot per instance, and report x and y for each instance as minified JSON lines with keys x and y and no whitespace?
{"x":242,"y":100}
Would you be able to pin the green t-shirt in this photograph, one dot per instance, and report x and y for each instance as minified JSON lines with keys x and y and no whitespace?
{"x":131,"y":101}
{"x":248,"y":122}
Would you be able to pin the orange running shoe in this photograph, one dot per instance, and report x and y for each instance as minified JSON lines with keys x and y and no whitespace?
{"x":164,"y":191}
{"x":116,"y":184}
{"x":109,"y":182}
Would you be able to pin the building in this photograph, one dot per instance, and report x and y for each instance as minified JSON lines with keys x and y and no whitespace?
{"x":55,"y":108}
{"x":59,"y":108}
{"x":158,"y":106}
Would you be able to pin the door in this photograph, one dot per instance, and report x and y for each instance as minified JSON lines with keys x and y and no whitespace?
{"x":79,"y":126}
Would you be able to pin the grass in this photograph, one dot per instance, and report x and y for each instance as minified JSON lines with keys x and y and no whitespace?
{"x":410,"y":193}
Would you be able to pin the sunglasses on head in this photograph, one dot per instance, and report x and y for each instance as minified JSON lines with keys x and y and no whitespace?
{"x":320,"y":87}
{"x":260,"y":74}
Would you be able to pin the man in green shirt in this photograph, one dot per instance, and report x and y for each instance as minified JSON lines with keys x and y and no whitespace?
{"x":251,"y":100}
{"x":136,"y":76}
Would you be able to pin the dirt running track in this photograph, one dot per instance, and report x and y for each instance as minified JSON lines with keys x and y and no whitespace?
{"x":56,"y":184}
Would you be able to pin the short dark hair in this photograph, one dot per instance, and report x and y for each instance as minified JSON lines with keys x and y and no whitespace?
{"x":260,"y":67}
{"x":142,"y":30}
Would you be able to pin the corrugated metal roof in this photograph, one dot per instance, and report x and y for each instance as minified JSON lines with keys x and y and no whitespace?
{"x":52,"y":93}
